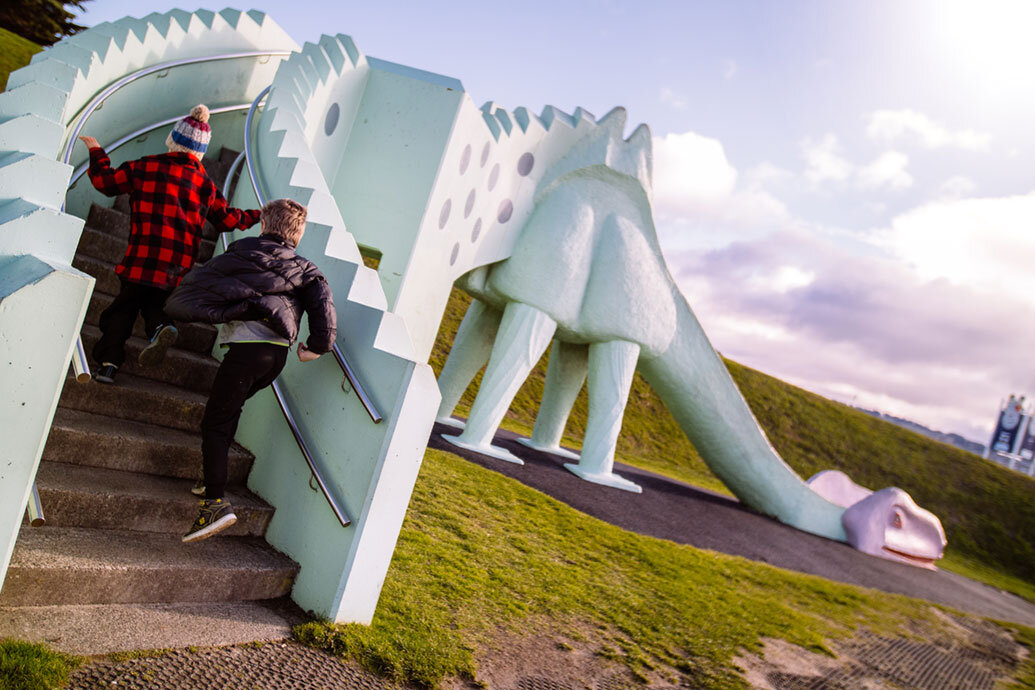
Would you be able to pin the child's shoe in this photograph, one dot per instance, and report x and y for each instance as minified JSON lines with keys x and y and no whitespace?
{"x":164,"y":337}
{"x":199,"y":488}
{"x":106,"y":374}
{"x":215,"y":516}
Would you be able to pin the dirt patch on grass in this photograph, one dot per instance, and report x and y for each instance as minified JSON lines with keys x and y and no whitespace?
{"x":962,"y":652}
{"x":958,"y":652}
{"x":555,"y":657}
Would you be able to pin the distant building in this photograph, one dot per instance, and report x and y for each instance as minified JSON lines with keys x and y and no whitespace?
{"x":1013,"y":440}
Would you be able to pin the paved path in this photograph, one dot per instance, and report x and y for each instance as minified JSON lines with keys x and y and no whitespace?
{"x":682,"y":513}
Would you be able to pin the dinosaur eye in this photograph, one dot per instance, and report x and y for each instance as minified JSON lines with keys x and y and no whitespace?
{"x":896,"y":520}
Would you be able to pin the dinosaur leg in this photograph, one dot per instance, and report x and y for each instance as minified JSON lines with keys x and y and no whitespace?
{"x":611,"y":368}
{"x":564,"y":378}
{"x":471,"y":348}
{"x":523,"y":336}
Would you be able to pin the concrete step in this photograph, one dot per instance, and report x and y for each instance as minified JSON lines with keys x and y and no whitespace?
{"x":93,"y":440}
{"x":194,"y":337}
{"x":113,"y":221}
{"x":90,"y":629}
{"x":80,"y":496}
{"x":190,"y":370}
{"x":137,"y":399}
{"x":110,"y":247}
{"x":71,"y":565}
{"x":103,"y":271}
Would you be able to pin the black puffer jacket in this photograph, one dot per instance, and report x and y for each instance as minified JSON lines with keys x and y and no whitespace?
{"x":259,"y":279}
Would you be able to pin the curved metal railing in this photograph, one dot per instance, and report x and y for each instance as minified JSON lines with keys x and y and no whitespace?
{"x":79,"y":362}
{"x":253,"y":174}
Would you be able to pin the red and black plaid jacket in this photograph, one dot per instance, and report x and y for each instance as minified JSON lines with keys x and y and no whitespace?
{"x":170,"y":195}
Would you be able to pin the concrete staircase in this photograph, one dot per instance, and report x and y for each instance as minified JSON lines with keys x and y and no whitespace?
{"x":115,"y":477}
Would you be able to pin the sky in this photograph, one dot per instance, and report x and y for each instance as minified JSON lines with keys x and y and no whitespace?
{"x":842,"y":190}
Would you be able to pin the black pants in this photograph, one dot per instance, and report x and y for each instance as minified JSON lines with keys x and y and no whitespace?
{"x":246,"y":369}
{"x":117,"y":320}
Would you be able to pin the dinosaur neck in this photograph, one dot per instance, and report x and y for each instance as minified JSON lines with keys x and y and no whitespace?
{"x":694,"y":383}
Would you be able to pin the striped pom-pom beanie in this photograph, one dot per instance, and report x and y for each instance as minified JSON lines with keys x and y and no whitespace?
{"x":191,"y":134}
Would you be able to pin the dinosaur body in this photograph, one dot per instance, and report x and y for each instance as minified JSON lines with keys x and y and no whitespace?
{"x":587,"y":271}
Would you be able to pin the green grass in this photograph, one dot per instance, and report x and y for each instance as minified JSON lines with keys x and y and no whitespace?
{"x":1026,"y":674}
{"x":15,"y":52}
{"x":29,"y":666}
{"x":479,"y":550}
{"x":988,"y":512}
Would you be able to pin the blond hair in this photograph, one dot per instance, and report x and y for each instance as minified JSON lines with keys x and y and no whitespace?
{"x":285,"y":219}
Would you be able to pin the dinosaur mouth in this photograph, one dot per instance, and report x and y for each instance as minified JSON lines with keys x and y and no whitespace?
{"x":919,"y":560}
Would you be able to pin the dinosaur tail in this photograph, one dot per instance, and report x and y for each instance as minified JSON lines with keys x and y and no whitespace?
{"x":694,"y":383}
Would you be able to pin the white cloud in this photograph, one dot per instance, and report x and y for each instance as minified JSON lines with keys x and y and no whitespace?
{"x":890,"y":125}
{"x":691,"y":169}
{"x":984,"y":244}
{"x":957,"y":186}
{"x":696,"y":187}
{"x":888,"y":170}
{"x":670,"y":98}
{"x":862,"y":326}
{"x":823,"y":160}
{"x":729,"y":69}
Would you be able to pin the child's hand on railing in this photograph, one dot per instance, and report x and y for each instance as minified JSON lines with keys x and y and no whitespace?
{"x":305,"y":354}
{"x":90,"y":142}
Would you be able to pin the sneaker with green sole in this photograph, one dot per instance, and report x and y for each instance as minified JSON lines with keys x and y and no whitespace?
{"x":154,"y":354}
{"x":215,"y":516}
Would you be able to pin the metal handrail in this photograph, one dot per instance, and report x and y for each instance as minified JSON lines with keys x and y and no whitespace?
{"x":79,"y":362}
{"x":81,"y":170}
{"x":35,"y":508}
{"x":253,"y":174}
{"x":314,"y":466}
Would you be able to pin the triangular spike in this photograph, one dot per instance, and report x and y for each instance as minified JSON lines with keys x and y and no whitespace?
{"x":494,"y":125}
{"x":206,"y":17}
{"x":231,"y":16}
{"x":504,"y":119}
{"x":350,"y":48}
{"x":319,"y":59}
{"x":614,"y":120}
{"x":522,"y":118}
{"x":334,"y":52}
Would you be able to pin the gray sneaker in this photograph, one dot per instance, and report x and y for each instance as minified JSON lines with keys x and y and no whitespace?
{"x":215,"y":516}
{"x":162,"y":340}
{"x":199,"y":488}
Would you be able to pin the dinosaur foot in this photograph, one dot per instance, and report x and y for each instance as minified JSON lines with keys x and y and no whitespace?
{"x":553,"y":450}
{"x":451,"y":421}
{"x":485,"y":449}
{"x":604,"y":478}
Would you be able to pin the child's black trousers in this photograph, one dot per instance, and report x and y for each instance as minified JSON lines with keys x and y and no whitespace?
{"x":117,"y":320}
{"x":247,"y":368}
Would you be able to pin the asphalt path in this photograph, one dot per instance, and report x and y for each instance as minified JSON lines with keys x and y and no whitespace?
{"x":685,"y":514}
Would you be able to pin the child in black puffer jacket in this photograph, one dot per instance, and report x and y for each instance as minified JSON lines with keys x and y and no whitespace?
{"x":258,"y":288}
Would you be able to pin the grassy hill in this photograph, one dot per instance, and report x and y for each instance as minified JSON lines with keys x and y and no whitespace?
{"x":988,"y":511}
{"x":15,"y":52}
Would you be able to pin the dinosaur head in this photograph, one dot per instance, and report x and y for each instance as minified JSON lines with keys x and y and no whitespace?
{"x":889,"y":524}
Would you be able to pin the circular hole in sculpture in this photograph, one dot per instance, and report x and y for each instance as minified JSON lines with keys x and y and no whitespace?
{"x":443,"y":216}
{"x":485,"y":154}
{"x":331,"y":121}
{"x":494,"y":176}
{"x":506,"y":209}
{"x":477,"y":230}
{"x":525,"y":164}
{"x":456,"y":253}
{"x":465,"y":159}
{"x":469,"y":206}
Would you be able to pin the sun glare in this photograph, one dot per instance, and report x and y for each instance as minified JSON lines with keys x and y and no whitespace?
{"x":987,"y":42}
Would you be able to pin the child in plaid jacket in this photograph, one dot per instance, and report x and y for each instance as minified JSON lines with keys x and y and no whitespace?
{"x":170,"y":196}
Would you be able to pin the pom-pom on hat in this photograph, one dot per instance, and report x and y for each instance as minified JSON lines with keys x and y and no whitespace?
{"x":192,"y":133}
